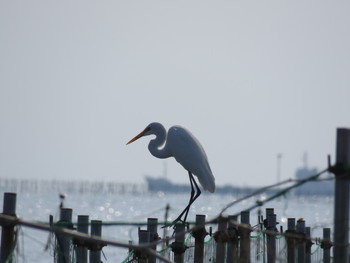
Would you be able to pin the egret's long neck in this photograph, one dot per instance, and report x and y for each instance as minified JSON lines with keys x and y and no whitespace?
{"x":154,"y":145}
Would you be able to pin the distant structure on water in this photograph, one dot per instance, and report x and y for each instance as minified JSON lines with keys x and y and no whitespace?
{"x":162,"y":184}
{"x":320,"y":187}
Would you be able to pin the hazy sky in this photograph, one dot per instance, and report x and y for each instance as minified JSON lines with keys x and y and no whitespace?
{"x":250,"y":79}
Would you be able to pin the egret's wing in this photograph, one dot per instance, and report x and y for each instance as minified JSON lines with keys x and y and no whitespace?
{"x":188,"y":151}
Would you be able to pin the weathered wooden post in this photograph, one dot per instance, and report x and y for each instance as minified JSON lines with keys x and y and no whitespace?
{"x":341,"y":200}
{"x":199,"y":235}
{"x":260,"y":242}
{"x":290,"y":240}
{"x":233,"y":236}
{"x":152,"y":224}
{"x":63,"y":241}
{"x":95,"y":251}
{"x":308,"y":245}
{"x":221,"y":239}
{"x":81,"y":248}
{"x":178,"y":246}
{"x":8,"y":231}
{"x":326,"y":245}
{"x":271,"y":237}
{"x":244,"y":233}
{"x":144,"y":238}
{"x":301,"y":240}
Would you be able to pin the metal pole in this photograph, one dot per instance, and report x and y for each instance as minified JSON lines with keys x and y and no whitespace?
{"x":81,"y":249}
{"x":221,"y":239}
{"x":290,"y":239}
{"x":341,"y":200}
{"x":8,"y":231}
{"x":152,"y":224}
{"x":95,"y":230}
{"x":199,"y":236}
{"x":244,"y":233}
{"x":64,"y":242}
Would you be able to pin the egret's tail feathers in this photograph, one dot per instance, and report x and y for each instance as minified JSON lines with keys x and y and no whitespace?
{"x":208,"y":182}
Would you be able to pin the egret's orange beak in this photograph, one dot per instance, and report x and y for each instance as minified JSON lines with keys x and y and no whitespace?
{"x":137,"y":136}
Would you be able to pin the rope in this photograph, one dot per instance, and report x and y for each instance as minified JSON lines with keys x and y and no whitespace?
{"x":285,"y":190}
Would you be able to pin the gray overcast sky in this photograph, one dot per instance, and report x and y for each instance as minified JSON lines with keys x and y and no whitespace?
{"x":250,"y":79}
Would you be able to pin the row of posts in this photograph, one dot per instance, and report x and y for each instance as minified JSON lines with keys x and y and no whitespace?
{"x":83,"y":250}
{"x":233,"y":240}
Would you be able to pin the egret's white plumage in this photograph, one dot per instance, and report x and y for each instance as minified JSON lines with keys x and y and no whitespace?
{"x":186,"y":149}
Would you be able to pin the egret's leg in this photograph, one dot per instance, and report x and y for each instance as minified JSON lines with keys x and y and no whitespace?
{"x":195,"y":192}
{"x":198,"y":193}
{"x":189,"y":202}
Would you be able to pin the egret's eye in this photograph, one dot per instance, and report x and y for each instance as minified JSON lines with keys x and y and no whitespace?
{"x":147,"y":129}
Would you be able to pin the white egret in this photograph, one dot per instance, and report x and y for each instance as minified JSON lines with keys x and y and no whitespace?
{"x":186,"y":149}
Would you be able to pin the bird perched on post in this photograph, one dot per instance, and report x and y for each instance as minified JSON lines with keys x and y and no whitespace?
{"x":180,"y":143}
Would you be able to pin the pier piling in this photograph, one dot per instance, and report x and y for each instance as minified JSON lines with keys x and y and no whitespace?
{"x":81,"y":248}
{"x":301,"y":247}
{"x":8,"y":231}
{"x":152,"y":224}
{"x":95,"y":251}
{"x":221,"y":239}
{"x":233,"y":237}
{"x":342,"y":198}
{"x":64,"y":241}
{"x":199,"y":236}
{"x":244,"y":233}
{"x":178,"y":246}
{"x":271,"y":237}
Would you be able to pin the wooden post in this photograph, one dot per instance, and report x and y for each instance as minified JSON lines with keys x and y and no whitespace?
{"x":144,"y":238}
{"x":8,"y":231}
{"x":152,"y":224}
{"x":63,"y":241}
{"x":244,"y":233}
{"x":301,"y":240}
{"x":308,"y":245}
{"x":232,"y":245}
{"x":326,"y":245}
{"x":199,"y":236}
{"x":260,"y":242}
{"x":178,"y":246}
{"x":290,"y":239}
{"x":81,"y":249}
{"x":271,"y":238}
{"x":95,"y":230}
{"x":341,"y":200}
{"x":221,"y":239}
{"x":165,"y":229}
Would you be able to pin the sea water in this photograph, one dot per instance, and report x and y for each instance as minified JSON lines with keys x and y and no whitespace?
{"x":134,"y":208}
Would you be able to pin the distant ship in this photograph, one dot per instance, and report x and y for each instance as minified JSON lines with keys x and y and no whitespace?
{"x":320,"y":187}
{"x":162,"y":184}
{"x":324,"y":186}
